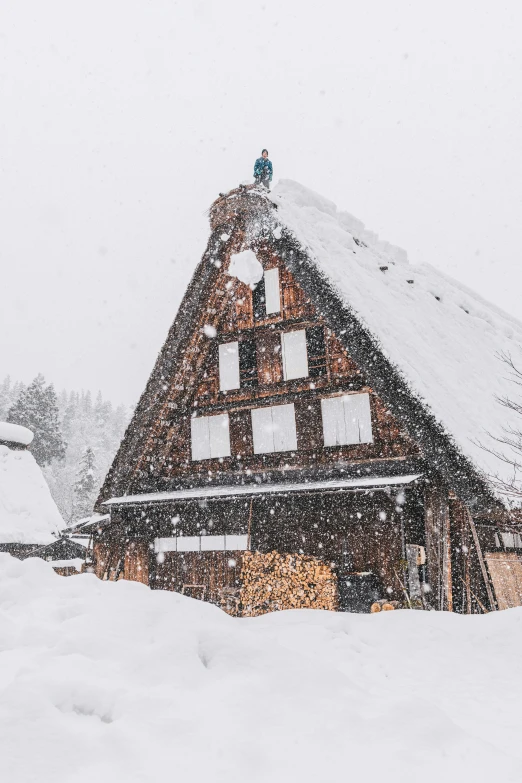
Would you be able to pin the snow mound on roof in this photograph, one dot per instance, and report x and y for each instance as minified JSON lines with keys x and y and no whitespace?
{"x":444,"y":338}
{"x":113,"y":680}
{"x":245,"y":267}
{"x":28,"y":514}
{"x":15,"y":433}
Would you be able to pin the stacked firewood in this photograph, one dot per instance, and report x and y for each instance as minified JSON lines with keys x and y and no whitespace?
{"x":272,"y":582}
{"x":385,"y":605}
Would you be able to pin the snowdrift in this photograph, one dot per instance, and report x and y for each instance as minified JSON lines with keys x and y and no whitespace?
{"x":113,"y":681}
{"x":28,"y":514}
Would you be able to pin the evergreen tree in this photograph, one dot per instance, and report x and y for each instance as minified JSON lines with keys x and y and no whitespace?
{"x":37,"y":408}
{"x":83,"y":423}
{"x":5,"y":397}
{"x":9,"y":394}
{"x":86,"y":485}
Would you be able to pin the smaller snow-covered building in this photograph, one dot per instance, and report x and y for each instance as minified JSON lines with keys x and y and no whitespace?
{"x":29,"y":517}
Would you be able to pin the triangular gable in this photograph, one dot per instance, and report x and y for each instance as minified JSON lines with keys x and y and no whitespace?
{"x":249,"y":219}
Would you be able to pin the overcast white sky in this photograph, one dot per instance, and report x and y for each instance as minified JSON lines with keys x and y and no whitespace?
{"x":121,"y":121}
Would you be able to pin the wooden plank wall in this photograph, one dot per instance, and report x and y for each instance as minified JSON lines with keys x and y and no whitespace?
{"x":199,"y":574}
{"x":136,"y":566}
{"x":505,"y":569}
{"x":438,"y":547}
{"x":101,"y":553}
{"x":463,"y":578}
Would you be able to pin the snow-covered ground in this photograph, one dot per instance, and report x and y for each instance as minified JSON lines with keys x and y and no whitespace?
{"x":104,"y":681}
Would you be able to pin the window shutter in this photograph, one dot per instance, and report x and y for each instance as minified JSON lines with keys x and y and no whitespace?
{"x":236,"y":543}
{"x":199,"y":438}
{"x":274,"y":429}
{"x":283,"y":421}
{"x":228,"y":366}
{"x":165,"y":544}
{"x":295,"y":359}
{"x":351,"y":419}
{"x":212,"y":543}
{"x":272,"y":295}
{"x":210,"y":437}
{"x":219,"y":435}
{"x":360,"y":404}
{"x":347,"y":420}
{"x":188,"y":543}
{"x":247,"y":363}
{"x":262,"y":430}
{"x":508,"y":539}
{"x":316,"y":348}
{"x":334,"y":430}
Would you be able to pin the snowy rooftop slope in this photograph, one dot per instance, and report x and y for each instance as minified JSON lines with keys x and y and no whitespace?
{"x":28,"y":514}
{"x":116,"y":682}
{"x":15,"y":433}
{"x":444,"y":338}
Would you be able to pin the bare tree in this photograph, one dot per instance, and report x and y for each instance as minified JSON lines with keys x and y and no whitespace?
{"x":509,"y":448}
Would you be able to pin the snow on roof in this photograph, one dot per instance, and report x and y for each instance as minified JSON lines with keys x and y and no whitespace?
{"x":15,"y":433}
{"x":366,"y":482}
{"x":28,"y":514}
{"x":75,"y":562}
{"x":83,"y":526}
{"x":444,"y":338}
{"x":245,"y":267}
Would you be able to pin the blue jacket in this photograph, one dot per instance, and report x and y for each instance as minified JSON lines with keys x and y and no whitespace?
{"x":260,"y":167}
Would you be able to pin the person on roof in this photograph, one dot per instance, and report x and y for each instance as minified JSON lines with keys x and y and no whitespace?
{"x":263,"y":170}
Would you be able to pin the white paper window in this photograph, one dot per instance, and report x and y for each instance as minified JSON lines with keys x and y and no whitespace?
{"x":347,"y":420}
{"x":236,"y":543}
{"x":202,"y":543}
{"x":294,"y":354}
{"x":212,"y":543}
{"x":274,"y":429}
{"x":229,"y":366}
{"x":210,"y":437}
{"x":510,"y":540}
{"x":188,"y":543}
{"x":272,"y":296}
{"x":165,"y":544}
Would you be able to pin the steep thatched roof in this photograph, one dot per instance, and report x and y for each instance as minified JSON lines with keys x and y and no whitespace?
{"x":427,"y":345}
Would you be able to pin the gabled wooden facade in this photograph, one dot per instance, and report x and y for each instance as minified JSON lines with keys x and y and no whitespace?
{"x":312,"y":446}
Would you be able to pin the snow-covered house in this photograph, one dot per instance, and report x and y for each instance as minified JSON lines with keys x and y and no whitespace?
{"x":319,"y":396}
{"x":29,"y":518}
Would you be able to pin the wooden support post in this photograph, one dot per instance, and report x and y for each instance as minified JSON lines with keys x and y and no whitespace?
{"x":460,"y":536}
{"x":438,"y":551}
{"x":485,"y":576}
{"x":249,"y":537}
{"x":447,"y":591}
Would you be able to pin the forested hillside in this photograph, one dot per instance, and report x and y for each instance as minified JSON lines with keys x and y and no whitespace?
{"x":76,"y":438}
